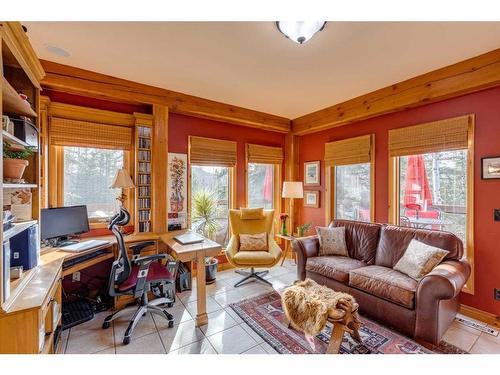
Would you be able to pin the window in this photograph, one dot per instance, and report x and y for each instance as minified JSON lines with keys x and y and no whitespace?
{"x":433,"y":191}
{"x":211,"y":201}
{"x":260,"y":185}
{"x":88,"y":173}
{"x":349,"y":179}
{"x":431,"y":179}
{"x":352,"y":192}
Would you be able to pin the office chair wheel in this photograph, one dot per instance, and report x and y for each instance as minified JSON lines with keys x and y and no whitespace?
{"x":106,"y":325}
{"x":126,"y":340}
{"x":170,"y":304}
{"x":170,"y":324}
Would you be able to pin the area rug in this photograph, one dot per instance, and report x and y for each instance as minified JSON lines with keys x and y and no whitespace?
{"x":264,"y":315}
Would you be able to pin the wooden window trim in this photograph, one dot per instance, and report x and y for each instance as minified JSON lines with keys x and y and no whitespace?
{"x":394,"y":206}
{"x":330,"y":208}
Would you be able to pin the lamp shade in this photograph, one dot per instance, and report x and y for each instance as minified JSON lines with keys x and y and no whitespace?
{"x":122,"y":180}
{"x":292,"y":189}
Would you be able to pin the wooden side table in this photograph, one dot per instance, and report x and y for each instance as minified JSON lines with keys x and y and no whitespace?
{"x":288,"y":244}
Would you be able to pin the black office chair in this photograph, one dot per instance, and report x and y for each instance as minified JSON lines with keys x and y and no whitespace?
{"x":139,"y":276}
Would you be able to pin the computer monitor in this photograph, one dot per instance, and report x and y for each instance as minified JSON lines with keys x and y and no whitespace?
{"x":61,"y":222}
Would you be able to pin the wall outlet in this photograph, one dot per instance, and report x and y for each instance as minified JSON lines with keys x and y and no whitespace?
{"x":496,"y":214}
{"x":497,"y":294}
{"x":76,"y":276}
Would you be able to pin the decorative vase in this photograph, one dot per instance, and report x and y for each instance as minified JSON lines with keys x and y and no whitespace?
{"x":14,"y":168}
{"x":284,"y":232}
{"x":300,"y":232}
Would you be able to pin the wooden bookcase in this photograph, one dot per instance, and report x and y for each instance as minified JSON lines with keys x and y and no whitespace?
{"x":27,"y":326}
{"x":143,"y":173}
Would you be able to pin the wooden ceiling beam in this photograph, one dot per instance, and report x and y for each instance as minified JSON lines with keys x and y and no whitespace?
{"x":478,"y":73}
{"x":83,"y":82}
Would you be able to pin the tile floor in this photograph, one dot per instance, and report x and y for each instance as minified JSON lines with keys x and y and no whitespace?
{"x":225,"y":332}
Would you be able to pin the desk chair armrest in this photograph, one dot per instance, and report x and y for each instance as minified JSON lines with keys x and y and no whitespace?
{"x":138,"y":247}
{"x":150,"y":258}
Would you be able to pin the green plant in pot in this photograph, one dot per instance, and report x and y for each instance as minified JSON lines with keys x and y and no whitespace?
{"x":204,"y":219}
{"x":302,"y":229}
{"x":14,"y":161}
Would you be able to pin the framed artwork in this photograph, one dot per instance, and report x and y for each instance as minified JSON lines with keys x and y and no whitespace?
{"x":311,"y":199}
{"x":490,"y":168}
{"x":177,"y":191}
{"x":312,"y":173}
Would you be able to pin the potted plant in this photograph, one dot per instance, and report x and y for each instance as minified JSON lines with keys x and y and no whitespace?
{"x":302,"y":229}
{"x":204,"y":218}
{"x":14,"y":162}
{"x":210,"y":269}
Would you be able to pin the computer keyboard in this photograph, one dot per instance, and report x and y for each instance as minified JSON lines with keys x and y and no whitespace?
{"x":83,"y":258}
{"x":84,"y":245}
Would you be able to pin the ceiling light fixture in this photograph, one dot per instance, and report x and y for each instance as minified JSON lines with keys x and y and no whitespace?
{"x":57,"y":51}
{"x":300,"y":31}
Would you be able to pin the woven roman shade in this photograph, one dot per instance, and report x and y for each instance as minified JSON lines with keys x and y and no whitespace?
{"x":211,"y":151}
{"x":264,"y":154}
{"x":66,"y":132}
{"x":444,"y":135}
{"x":349,"y":151}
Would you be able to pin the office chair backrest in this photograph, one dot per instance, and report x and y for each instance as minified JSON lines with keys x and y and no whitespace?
{"x":121,"y":267}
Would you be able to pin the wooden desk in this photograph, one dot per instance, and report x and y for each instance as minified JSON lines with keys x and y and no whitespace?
{"x":194,"y":252}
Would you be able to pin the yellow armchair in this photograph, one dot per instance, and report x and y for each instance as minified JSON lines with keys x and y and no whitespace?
{"x":252,"y":222}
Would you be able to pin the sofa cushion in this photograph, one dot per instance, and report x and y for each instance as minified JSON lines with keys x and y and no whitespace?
{"x":332,"y":241}
{"x":253,"y":258}
{"x":361,"y":239}
{"x":334,"y":267}
{"x":385,"y":283}
{"x":394,"y":241}
{"x":419,"y":259}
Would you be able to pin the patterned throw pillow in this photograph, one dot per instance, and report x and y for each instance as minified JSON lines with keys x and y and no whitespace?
{"x":419,"y":259}
{"x":332,"y":241}
{"x":253,"y":242}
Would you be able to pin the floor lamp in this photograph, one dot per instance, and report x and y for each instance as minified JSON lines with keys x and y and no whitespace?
{"x":292,"y":190}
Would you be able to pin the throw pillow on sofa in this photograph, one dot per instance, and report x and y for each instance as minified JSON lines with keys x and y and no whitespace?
{"x":253,"y":242}
{"x":419,"y":259}
{"x":332,"y":241}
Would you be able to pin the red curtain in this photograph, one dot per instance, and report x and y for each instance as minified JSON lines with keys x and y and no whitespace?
{"x":417,"y":195}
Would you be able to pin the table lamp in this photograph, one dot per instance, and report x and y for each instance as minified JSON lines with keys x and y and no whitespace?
{"x":122,"y":181}
{"x":292,"y":190}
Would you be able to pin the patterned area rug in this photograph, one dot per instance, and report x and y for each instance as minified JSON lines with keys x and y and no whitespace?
{"x":265,"y":315}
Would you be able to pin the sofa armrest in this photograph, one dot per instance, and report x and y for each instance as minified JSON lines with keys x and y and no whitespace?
{"x":305,"y":247}
{"x":444,"y":282}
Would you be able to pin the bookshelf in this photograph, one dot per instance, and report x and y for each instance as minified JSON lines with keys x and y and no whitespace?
{"x":143,"y":170}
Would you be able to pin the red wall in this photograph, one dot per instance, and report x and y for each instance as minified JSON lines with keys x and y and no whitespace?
{"x":486,"y":107}
{"x":180,"y":127}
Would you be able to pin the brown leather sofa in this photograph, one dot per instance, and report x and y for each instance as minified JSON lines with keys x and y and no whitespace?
{"x":422,"y":310}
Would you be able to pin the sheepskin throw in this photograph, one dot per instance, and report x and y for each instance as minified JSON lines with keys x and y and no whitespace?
{"x":308,"y":305}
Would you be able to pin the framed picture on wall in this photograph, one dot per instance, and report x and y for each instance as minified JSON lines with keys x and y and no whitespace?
{"x":311,"y":199}
{"x":490,"y":168}
{"x":312,"y":173}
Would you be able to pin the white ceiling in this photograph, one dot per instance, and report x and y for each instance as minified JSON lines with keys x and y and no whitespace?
{"x":252,"y":65}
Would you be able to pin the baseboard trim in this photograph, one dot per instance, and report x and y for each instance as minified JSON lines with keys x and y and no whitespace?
{"x":472,"y":312}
